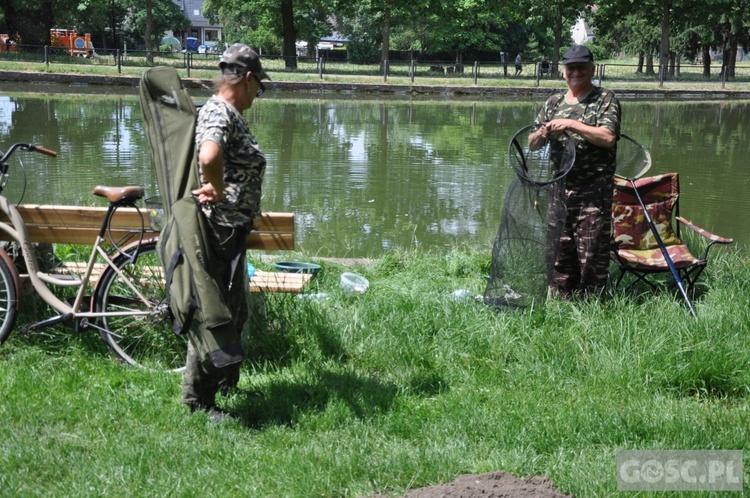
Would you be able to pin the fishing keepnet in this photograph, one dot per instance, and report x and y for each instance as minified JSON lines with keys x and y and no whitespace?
{"x":534,"y":211}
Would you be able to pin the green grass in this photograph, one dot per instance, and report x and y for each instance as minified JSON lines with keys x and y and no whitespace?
{"x":396,"y":388}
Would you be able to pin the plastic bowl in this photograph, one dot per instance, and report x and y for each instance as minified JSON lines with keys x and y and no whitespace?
{"x":353,"y":283}
{"x":297,"y":267}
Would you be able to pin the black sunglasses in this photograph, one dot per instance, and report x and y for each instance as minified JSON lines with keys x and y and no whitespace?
{"x":262,"y":86}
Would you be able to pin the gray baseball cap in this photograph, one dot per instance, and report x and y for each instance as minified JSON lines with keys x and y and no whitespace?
{"x":239,"y":59}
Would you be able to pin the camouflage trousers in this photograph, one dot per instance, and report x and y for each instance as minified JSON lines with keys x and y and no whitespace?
{"x":581,"y":254}
{"x":202,"y":381}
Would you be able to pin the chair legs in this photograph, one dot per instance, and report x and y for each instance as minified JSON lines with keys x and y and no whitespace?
{"x":689,"y":276}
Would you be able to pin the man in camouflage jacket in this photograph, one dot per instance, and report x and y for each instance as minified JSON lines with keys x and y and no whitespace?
{"x":592,"y":116}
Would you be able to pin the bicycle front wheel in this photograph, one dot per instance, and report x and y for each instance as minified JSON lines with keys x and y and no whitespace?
{"x":8,"y":300}
{"x":138,"y":329}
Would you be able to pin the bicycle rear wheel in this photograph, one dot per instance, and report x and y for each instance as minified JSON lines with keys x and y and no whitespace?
{"x":143,"y":334}
{"x":8,"y":300}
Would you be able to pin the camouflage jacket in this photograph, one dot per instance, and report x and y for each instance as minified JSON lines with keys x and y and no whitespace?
{"x":599,"y":108}
{"x":244,"y":163}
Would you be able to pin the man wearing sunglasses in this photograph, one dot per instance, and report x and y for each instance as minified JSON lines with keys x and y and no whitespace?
{"x":231,"y":169}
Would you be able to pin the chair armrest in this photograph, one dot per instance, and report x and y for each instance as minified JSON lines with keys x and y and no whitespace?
{"x":705,"y":233}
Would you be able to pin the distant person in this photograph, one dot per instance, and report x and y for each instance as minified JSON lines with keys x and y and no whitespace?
{"x":519,"y":67}
{"x":545,"y":66}
{"x":592,"y":116}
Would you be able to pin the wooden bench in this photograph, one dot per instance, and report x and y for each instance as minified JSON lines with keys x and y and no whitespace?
{"x":80,"y":226}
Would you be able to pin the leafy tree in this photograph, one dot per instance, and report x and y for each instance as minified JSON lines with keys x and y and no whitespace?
{"x":272,"y":25}
{"x":460,"y":25}
{"x":554,"y":16}
{"x":30,"y":22}
{"x":104,"y":19}
{"x":630,"y":27}
{"x":165,"y":15}
{"x":374,"y":26}
{"x":361,"y":25}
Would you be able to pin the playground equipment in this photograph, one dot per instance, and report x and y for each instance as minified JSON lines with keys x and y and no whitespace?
{"x":7,"y":44}
{"x":78,"y":45}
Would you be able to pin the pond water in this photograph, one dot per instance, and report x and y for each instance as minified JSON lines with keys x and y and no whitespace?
{"x":365,"y":175}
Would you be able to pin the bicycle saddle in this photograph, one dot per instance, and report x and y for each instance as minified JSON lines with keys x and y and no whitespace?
{"x":117,"y":194}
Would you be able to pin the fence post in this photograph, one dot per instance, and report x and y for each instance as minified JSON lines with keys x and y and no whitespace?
{"x":118,"y":60}
{"x":476,"y":71}
{"x":46,"y":56}
{"x":188,"y":55}
{"x":537,"y":72}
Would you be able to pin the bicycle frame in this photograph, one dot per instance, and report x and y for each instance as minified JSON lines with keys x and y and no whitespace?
{"x":16,"y":229}
{"x":128,"y":303}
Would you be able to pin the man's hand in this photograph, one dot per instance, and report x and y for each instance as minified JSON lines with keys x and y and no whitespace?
{"x":560,"y":125}
{"x":596,"y":135}
{"x":538,"y":138}
{"x":207,"y":193}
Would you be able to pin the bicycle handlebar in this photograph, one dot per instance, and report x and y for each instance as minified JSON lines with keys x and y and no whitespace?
{"x":30,"y":147}
{"x":42,"y":150}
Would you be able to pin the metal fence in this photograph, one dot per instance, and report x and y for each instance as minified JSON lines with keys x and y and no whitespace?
{"x":473,"y":72}
{"x":683,"y":73}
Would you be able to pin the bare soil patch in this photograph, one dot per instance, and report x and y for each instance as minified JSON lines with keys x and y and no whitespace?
{"x":489,"y":485}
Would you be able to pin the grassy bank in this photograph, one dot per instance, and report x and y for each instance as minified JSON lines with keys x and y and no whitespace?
{"x":631,"y":82}
{"x":396,"y":388}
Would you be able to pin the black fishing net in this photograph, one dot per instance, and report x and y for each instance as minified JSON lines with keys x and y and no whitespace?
{"x":533,"y":213}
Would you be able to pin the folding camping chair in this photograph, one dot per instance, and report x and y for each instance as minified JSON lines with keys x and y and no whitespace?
{"x":634,"y":247}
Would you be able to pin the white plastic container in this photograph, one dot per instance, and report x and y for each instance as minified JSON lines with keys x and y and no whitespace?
{"x":352,"y":283}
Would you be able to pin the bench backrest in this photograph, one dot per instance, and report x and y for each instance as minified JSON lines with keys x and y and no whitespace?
{"x":80,"y":225}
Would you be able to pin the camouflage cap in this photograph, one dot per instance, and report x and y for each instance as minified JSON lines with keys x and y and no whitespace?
{"x":578,"y":53}
{"x":239,"y":59}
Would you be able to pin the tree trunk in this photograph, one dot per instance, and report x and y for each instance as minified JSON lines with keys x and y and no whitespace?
{"x":113,"y":29}
{"x":149,"y":41}
{"x":672,"y":64}
{"x":664,"y":46}
{"x":725,"y":64}
{"x":558,"y":41}
{"x":290,"y":34}
{"x":641,"y":58}
{"x":706,"y":49}
{"x":732,"y":62}
{"x":650,"y":64}
{"x":386,"y":32}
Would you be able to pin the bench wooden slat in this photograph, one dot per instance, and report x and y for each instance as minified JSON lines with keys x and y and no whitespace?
{"x":262,"y":281}
{"x":85,"y":236}
{"x":269,"y":281}
{"x":80,"y":225}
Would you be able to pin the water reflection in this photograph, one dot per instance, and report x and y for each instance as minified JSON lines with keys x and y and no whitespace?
{"x":364,"y":176}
